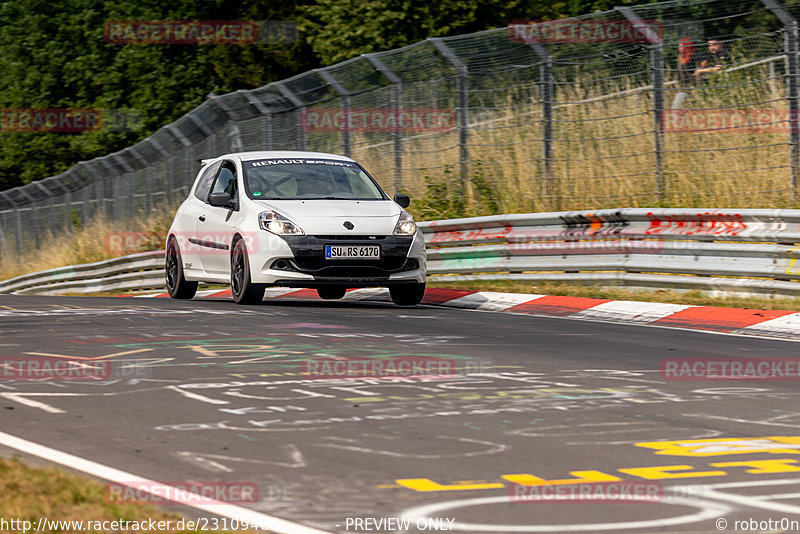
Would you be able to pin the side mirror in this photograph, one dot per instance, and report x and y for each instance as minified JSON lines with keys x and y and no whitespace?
{"x":402,"y":200}
{"x":219,"y":200}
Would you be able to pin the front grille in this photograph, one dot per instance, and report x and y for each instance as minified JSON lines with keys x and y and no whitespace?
{"x":309,"y":256}
{"x":315,"y":263}
{"x":351,"y":272}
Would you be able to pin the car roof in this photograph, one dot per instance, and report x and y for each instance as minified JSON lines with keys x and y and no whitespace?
{"x":280,"y":154}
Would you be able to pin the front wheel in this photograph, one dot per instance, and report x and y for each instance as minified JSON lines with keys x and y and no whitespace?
{"x":243,"y":289}
{"x":177,"y":285}
{"x":407,"y":294}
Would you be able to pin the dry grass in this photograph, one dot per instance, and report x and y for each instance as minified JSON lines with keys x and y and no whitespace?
{"x":95,"y":241}
{"x":30,"y":493}
{"x":603,"y":154}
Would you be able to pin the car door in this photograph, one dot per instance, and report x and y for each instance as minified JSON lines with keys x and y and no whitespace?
{"x":191,"y":210}
{"x":216,"y":225}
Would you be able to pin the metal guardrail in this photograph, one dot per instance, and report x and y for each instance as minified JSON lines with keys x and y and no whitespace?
{"x":733,"y":251}
{"x":728,"y":251}
{"x":141,"y":271}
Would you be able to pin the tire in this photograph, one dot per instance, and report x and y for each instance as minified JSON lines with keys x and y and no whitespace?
{"x":243,"y":289}
{"x":331,"y":293}
{"x":407,"y":294}
{"x":177,"y":285}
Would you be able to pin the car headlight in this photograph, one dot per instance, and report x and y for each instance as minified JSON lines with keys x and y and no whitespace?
{"x":274,"y":222}
{"x":406,"y":225}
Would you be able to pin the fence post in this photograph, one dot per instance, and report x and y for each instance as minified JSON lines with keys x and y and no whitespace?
{"x":68,"y":208}
{"x":83,"y":212}
{"x":49,"y":197}
{"x":147,"y":178}
{"x":790,"y":23}
{"x":268,"y":131}
{"x":51,"y":208}
{"x":657,"y":77}
{"x":130,"y":195}
{"x":99,"y":191}
{"x":116,"y":212}
{"x":462,"y":105}
{"x":32,"y":211}
{"x":347,"y":146}
{"x":17,"y":231}
{"x":267,"y":116}
{"x":190,"y":167}
{"x":546,"y":97}
{"x":167,"y":171}
{"x":208,"y":132}
{"x":9,"y":202}
{"x":396,"y":105}
{"x":4,"y":243}
{"x":86,"y":211}
{"x":235,"y":136}
{"x":301,"y":107}
{"x":186,"y":144}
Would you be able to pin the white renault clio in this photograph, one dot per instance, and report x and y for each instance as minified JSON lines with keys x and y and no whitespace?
{"x":293,"y":219}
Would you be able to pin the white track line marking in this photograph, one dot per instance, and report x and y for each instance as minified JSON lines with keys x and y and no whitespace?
{"x":20,"y":398}
{"x":708,"y":510}
{"x":158,"y":489}
{"x":196,"y":396}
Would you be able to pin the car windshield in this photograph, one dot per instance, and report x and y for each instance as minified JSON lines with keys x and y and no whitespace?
{"x":308,"y":179}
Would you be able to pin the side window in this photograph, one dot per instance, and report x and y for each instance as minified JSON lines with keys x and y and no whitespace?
{"x":204,"y":182}
{"x":226,"y":180}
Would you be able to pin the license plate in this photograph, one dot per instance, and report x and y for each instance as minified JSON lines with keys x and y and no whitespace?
{"x":342,"y":252}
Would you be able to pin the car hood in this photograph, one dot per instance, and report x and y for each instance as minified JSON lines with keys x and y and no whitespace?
{"x":327,"y":217}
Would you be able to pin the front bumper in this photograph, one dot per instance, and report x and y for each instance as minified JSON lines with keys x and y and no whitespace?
{"x":402,"y":260}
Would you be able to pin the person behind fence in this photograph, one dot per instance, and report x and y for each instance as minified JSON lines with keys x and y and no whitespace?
{"x":687,"y":61}
{"x":687,"y":64}
{"x":715,"y":60}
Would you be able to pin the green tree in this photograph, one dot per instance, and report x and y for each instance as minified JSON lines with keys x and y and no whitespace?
{"x":53,"y":55}
{"x":341,"y":29}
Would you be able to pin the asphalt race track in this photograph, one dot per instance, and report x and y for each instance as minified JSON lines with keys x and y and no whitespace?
{"x":212,"y":391}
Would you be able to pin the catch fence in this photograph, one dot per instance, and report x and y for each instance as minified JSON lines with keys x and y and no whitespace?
{"x":496,"y":122}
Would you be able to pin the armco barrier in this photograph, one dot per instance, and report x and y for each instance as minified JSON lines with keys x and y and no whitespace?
{"x":135,"y":272}
{"x":736,"y":251}
{"x":733,"y":251}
